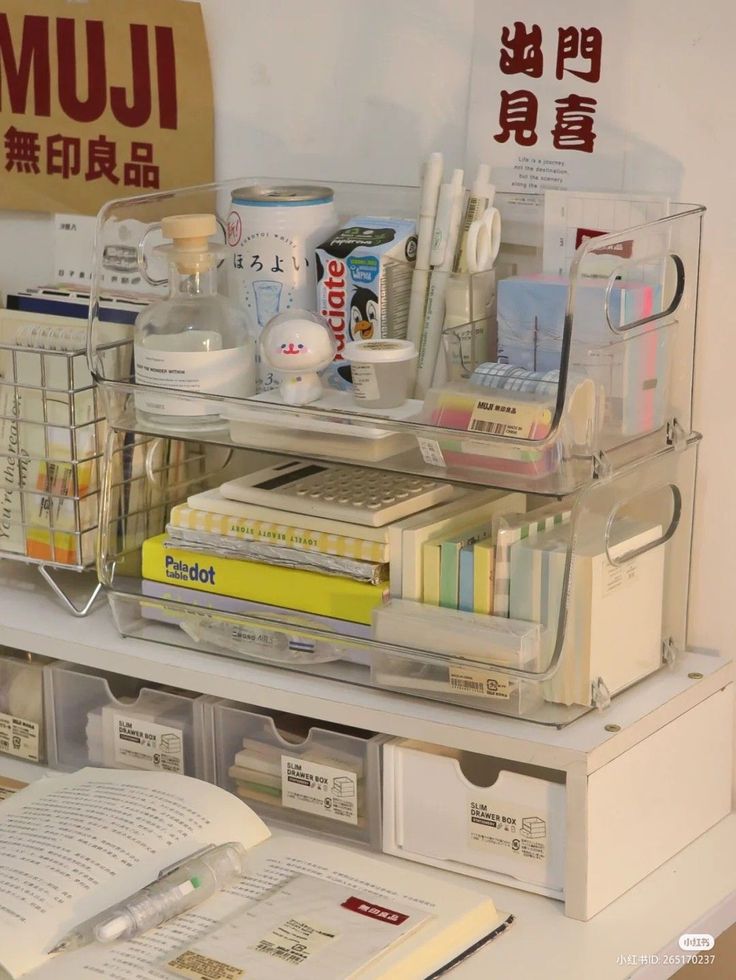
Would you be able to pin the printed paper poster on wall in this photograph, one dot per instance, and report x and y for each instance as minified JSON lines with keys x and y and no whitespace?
{"x":101,"y":100}
{"x":545,"y":92}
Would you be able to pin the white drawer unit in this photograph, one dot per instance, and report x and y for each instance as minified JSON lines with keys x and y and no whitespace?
{"x":581,"y":819}
{"x":489,"y":817}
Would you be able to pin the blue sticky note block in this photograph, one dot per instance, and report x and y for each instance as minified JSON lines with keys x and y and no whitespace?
{"x":629,"y":368}
{"x":531,"y":316}
{"x":465,"y":590}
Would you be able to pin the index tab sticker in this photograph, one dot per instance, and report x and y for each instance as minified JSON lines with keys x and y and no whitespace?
{"x":307,"y":926}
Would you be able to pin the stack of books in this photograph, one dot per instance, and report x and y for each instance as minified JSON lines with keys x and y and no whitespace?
{"x":224,"y":549}
{"x":245,"y":558}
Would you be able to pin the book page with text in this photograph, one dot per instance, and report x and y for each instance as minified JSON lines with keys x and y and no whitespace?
{"x":72,"y":845}
{"x":452,"y":917}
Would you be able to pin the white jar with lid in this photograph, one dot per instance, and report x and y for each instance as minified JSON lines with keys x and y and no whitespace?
{"x":382,"y":371}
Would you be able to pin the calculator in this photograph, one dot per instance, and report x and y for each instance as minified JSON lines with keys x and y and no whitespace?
{"x":355,"y":494}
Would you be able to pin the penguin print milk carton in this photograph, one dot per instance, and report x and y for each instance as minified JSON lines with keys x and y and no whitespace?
{"x":364,"y":275}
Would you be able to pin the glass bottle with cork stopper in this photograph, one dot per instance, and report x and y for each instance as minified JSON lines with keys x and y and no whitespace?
{"x":196,"y":340}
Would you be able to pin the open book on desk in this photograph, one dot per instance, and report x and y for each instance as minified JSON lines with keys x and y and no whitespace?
{"x":73,"y":845}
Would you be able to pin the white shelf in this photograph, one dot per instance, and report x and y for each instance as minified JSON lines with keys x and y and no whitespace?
{"x":31,"y":619}
{"x":694,"y":888}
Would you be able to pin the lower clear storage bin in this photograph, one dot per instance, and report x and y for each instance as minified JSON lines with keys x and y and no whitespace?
{"x":564,"y":602}
{"x":22,"y":727}
{"x":101,"y":719}
{"x":291,"y":771}
{"x":491,"y":818}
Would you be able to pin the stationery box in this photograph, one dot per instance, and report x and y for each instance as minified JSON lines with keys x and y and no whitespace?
{"x":613,"y":631}
{"x":22,"y":728}
{"x":102,"y":719}
{"x":631,"y":368}
{"x":481,"y":816}
{"x":291,"y":771}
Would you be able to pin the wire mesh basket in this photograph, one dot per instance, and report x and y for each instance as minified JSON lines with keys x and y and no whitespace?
{"x":52,"y":431}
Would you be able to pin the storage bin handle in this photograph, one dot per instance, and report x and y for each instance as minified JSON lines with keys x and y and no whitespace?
{"x":679,"y":291}
{"x":165,"y":486}
{"x":142,"y":259}
{"x":650,"y":545}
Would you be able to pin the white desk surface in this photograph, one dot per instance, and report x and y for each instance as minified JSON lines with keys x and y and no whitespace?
{"x":693,"y":892}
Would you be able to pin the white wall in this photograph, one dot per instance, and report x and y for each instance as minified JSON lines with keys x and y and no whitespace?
{"x":365,"y":91}
{"x":359,"y":91}
{"x":687,"y":109}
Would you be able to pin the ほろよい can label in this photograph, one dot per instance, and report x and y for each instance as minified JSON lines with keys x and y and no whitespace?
{"x":272,"y":233}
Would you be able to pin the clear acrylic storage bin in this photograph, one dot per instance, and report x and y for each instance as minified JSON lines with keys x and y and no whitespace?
{"x":22,"y":724}
{"x":606,"y":349}
{"x":588,"y":599}
{"x":291,"y":770}
{"x":97,"y":718}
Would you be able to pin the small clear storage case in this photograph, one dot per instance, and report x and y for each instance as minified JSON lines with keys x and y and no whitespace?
{"x":299,"y":773}
{"x":608,"y":446}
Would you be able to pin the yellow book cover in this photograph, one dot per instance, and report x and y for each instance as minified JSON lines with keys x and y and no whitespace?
{"x":283,"y":535}
{"x":483,"y":561}
{"x":431,"y":572}
{"x":325,"y":595}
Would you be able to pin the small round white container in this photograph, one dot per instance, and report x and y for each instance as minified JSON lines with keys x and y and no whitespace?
{"x":382,"y":371}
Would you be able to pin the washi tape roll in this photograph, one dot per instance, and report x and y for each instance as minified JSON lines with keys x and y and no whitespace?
{"x":508,"y":377}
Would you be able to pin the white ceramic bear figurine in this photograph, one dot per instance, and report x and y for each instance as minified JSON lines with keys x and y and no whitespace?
{"x":298,"y":344}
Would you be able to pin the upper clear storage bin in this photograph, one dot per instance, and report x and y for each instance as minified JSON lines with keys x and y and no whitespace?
{"x":535,"y":381}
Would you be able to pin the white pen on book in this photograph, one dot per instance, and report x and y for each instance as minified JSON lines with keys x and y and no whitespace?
{"x":178,"y":890}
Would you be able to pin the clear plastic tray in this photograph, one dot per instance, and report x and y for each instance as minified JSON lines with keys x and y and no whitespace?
{"x":292,"y":771}
{"x":613,"y":561}
{"x":618,"y":330}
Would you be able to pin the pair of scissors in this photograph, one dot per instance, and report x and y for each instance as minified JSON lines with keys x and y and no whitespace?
{"x":484,"y":240}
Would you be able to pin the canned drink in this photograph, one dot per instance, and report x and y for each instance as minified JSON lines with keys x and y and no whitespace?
{"x":272,"y":232}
